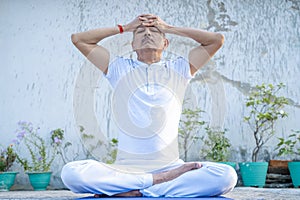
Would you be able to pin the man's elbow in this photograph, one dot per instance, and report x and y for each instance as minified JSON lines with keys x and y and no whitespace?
{"x":219,"y":41}
{"x":74,"y":39}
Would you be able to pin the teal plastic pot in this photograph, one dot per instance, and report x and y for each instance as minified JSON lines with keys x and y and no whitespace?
{"x":232,"y":164}
{"x":254,"y":173}
{"x":7,"y":179}
{"x":294,"y":168}
{"x":39,"y":180}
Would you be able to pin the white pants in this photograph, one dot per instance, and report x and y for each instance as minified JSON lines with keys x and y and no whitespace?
{"x":89,"y":176}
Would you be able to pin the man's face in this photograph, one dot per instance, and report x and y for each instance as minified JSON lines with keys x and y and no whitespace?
{"x":148,"y":38}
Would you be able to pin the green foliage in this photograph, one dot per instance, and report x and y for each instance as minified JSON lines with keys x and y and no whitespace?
{"x":289,"y":146}
{"x":111,"y":147}
{"x":189,"y":127}
{"x":7,"y":158}
{"x":85,"y":137}
{"x":41,"y":157}
{"x":113,"y":150}
{"x":216,"y":145}
{"x":57,"y":137}
{"x":265,"y":108}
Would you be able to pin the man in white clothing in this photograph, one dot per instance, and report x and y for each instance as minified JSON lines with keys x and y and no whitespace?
{"x":148,"y":94}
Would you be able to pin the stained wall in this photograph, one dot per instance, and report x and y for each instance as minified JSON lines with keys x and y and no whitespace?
{"x":46,"y":81}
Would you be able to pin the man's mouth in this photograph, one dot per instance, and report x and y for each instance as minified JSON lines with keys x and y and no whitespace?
{"x":147,"y":39}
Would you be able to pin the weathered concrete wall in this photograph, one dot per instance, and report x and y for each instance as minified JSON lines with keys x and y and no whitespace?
{"x":45,"y":80}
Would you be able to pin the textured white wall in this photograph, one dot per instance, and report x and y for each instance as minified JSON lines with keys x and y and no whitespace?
{"x":43,"y":77}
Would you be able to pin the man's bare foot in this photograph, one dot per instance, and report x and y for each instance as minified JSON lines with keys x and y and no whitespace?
{"x":133,"y":193}
{"x":174,"y":173}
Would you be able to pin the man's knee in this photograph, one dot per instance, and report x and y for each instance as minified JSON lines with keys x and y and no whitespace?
{"x":229,"y":179}
{"x":70,"y":176}
{"x":65,"y":174}
{"x":225,"y":178}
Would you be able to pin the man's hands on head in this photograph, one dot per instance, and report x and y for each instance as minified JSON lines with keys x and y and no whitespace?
{"x":153,"y":20}
{"x":132,"y":26}
{"x":147,"y":20}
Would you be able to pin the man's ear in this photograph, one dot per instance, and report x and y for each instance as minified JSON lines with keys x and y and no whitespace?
{"x":166,"y":43}
{"x":132,"y":45}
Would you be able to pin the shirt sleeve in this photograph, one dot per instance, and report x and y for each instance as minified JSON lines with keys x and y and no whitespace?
{"x":182,"y":66}
{"x":116,"y":69}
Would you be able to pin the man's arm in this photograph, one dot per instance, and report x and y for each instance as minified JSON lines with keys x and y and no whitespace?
{"x":209,"y":42}
{"x":87,"y":43}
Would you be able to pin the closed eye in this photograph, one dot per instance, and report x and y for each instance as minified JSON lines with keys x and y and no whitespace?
{"x":140,"y":30}
{"x":154,"y":29}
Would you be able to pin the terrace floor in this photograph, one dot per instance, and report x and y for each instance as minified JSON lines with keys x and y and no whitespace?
{"x":238,"y":193}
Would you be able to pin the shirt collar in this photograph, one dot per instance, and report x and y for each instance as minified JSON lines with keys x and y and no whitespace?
{"x":140,"y":63}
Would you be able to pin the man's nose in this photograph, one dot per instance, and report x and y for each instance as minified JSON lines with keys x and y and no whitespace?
{"x":147,"y":32}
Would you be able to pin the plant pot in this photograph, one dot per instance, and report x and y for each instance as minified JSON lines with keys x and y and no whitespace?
{"x":39,"y":180}
{"x":294,"y":168}
{"x":254,"y":173}
{"x":232,"y":164}
{"x":7,"y":179}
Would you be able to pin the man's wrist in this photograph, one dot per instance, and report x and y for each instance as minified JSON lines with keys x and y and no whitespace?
{"x":121,"y":28}
{"x":125,"y":28}
{"x":169,"y":29}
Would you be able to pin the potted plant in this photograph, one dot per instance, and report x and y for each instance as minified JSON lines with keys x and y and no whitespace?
{"x":37,"y":165}
{"x":216,"y":146}
{"x":7,"y":158}
{"x":265,"y":108}
{"x":291,"y":146}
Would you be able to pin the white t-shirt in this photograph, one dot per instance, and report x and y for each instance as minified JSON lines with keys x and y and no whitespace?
{"x":147,"y":103}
